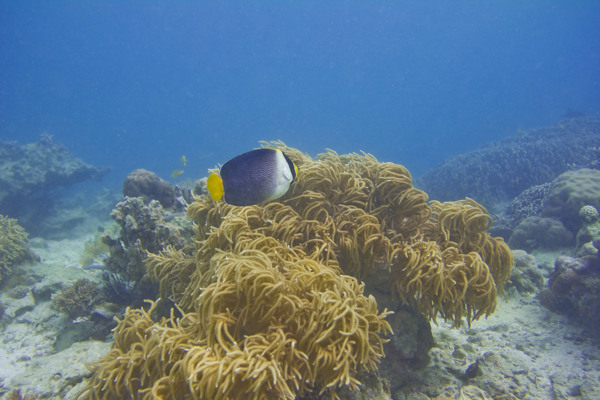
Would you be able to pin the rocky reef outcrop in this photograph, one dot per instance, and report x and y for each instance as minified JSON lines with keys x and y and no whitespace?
{"x":526,"y":276}
{"x":574,"y":288}
{"x":149,"y":186}
{"x":143,"y":230}
{"x":31,"y":173}
{"x":569,"y":192}
{"x":501,"y":170}
{"x":550,"y":216}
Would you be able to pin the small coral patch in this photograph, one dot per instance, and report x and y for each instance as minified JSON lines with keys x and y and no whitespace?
{"x":13,"y":244}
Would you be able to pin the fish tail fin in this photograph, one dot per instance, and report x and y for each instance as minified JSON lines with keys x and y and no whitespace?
{"x":215,"y":187}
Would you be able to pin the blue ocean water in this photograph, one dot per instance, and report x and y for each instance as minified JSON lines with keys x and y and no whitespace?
{"x":137,"y":84}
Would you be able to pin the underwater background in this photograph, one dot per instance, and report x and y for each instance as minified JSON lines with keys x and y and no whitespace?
{"x":440,"y":240}
{"x":136,"y":84}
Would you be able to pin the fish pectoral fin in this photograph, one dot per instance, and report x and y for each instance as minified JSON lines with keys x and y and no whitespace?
{"x":287,"y":174}
{"x":215,"y":188}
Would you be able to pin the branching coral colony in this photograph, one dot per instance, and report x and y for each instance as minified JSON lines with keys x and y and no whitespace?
{"x":270,"y":294}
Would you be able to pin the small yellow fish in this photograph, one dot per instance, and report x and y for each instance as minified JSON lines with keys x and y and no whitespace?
{"x":183,"y":160}
{"x":176,"y":173}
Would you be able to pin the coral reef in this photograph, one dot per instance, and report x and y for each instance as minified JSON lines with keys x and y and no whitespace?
{"x":94,"y":251}
{"x":79,"y":299}
{"x":270,"y":295}
{"x":13,"y":245}
{"x":555,"y":212}
{"x":540,"y":233}
{"x":149,"y":186}
{"x":143,"y":229}
{"x":121,"y":291}
{"x":589,"y":231}
{"x":526,"y":276}
{"x":92,"y":305}
{"x":589,"y":214}
{"x":31,"y":172}
{"x":569,"y":192}
{"x":574,"y":288}
{"x":501,"y":170}
{"x":528,"y":203}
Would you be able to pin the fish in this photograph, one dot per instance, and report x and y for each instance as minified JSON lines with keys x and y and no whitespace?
{"x":95,"y":266}
{"x":173,"y":215}
{"x":176,"y":173}
{"x":183,"y":160}
{"x":253,"y":177}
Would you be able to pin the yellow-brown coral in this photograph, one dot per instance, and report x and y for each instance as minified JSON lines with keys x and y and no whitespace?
{"x":366,"y":216}
{"x":13,"y":244}
{"x":265,"y":328}
{"x":268,"y":311}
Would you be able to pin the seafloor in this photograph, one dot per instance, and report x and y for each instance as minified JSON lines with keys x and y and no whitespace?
{"x":522,"y":350}
{"x":53,"y":328}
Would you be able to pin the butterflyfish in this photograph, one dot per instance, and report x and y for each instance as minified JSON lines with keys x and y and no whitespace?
{"x":253,"y":177}
{"x":183,"y":160}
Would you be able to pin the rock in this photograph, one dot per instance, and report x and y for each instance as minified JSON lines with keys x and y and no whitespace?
{"x":569,"y":192}
{"x":373,"y":387}
{"x":526,"y":275}
{"x":574,"y":288}
{"x":496,"y":374}
{"x":149,"y":186}
{"x":19,"y":306}
{"x":407,"y":350}
{"x":30,"y":173}
{"x":540,"y":233}
{"x":36,"y":168}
